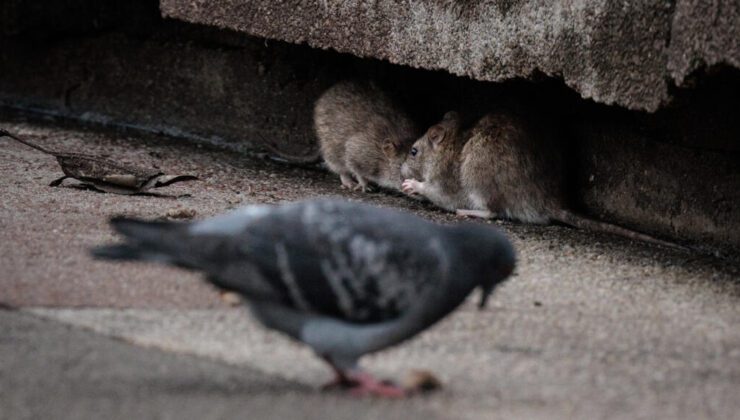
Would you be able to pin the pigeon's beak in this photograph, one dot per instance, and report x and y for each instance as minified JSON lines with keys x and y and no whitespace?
{"x":484,"y":293}
{"x":487,"y":289}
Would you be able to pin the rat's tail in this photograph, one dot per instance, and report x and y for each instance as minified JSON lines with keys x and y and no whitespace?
{"x":313,"y":157}
{"x":580,"y":222}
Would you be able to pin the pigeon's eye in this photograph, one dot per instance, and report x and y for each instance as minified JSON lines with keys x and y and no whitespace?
{"x":414,"y":151}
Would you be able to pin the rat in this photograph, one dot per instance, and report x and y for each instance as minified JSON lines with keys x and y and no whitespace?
{"x":499,"y":168}
{"x":363,"y":135}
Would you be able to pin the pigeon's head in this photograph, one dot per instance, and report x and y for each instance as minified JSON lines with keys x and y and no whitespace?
{"x":487,"y":253}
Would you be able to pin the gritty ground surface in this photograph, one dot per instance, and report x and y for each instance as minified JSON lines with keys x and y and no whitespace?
{"x":589,"y":327}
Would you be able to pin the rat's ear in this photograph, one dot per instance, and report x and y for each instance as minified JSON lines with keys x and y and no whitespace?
{"x":389,"y":148}
{"x":436,"y":134}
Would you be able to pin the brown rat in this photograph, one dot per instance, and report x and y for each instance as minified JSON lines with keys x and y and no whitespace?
{"x":363,"y":135}
{"x":499,"y":168}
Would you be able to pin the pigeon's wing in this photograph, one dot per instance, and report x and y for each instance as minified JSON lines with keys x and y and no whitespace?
{"x":352,"y":262}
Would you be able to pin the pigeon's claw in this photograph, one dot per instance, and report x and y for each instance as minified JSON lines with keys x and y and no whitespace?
{"x":362,"y":384}
{"x":365,"y":385}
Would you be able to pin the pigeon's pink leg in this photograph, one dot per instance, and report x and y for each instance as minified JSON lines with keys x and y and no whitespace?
{"x":364,"y":385}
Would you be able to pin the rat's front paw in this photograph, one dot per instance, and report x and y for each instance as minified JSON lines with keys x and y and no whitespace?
{"x":411,"y":187}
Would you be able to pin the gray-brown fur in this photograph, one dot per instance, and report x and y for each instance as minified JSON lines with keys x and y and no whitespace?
{"x":363,"y":135}
{"x":437,"y":163}
{"x":499,"y":168}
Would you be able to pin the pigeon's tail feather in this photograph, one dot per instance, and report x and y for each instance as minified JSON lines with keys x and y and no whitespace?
{"x":143,"y":231}
{"x":156,"y":241}
{"x":116,"y":252}
{"x":126,"y":252}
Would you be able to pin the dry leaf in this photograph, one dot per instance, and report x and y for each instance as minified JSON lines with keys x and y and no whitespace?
{"x":105,"y":175}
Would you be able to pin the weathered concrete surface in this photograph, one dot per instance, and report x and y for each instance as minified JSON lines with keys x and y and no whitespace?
{"x":170,"y":85}
{"x":704,"y":33}
{"x":227,"y":180}
{"x":49,"y":370}
{"x":64,"y":220}
{"x":674,"y":172}
{"x":582,"y":360}
{"x":625,"y":53}
{"x":656,"y":187}
{"x":590,"y":326}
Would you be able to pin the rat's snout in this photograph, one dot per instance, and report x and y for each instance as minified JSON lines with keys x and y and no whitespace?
{"x":405,"y":171}
{"x":408,"y":171}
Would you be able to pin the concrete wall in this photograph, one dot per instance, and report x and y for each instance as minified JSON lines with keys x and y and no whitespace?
{"x":629,"y":53}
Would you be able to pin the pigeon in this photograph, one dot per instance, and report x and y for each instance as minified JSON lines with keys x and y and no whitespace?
{"x":344,"y":278}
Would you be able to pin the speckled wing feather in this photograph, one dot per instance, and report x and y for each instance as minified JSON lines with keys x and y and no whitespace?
{"x":357,"y":263}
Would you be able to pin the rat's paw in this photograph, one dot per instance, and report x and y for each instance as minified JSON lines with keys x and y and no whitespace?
{"x":347,"y":182}
{"x":362,"y":188}
{"x":362,"y":185}
{"x":411,"y":187}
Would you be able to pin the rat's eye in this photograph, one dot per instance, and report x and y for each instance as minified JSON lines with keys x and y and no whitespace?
{"x":414,"y":151}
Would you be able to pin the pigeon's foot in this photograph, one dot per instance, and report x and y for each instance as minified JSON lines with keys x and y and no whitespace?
{"x":362,"y":384}
{"x":365,"y":385}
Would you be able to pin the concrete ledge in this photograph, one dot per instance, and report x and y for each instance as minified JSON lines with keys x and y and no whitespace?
{"x":624,"y":53}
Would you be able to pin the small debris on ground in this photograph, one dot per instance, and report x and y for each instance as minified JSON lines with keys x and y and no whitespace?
{"x":421,"y":381}
{"x":230,"y":298}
